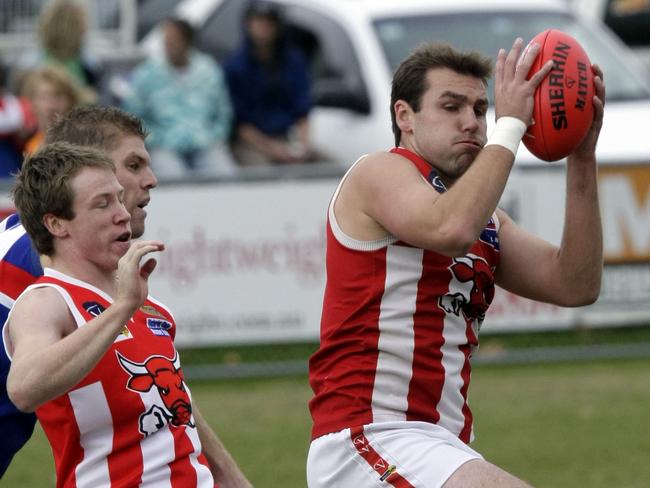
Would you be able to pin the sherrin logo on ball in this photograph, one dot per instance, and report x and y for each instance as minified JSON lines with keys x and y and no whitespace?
{"x":563,"y":109}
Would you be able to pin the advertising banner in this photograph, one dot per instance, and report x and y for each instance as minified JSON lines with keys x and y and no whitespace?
{"x":244,"y":261}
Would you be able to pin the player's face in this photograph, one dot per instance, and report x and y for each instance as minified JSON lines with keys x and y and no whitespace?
{"x":100,"y":230}
{"x":450,"y":128}
{"x":133,"y":171}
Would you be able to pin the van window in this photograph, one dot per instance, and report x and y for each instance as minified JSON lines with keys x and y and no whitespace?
{"x":498,"y":30}
{"x":329,"y":51}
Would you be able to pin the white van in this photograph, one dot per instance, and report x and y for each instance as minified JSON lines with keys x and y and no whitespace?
{"x":355,"y":45}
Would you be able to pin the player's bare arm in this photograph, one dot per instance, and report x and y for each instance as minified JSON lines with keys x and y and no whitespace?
{"x":568,"y":275}
{"x":50,"y":354}
{"x":223,"y":467}
{"x":385,"y":195}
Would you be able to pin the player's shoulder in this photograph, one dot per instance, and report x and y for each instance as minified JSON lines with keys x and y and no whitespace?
{"x":10,"y":222}
{"x":41,"y":301}
{"x":384,"y":161}
{"x":381,"y":169}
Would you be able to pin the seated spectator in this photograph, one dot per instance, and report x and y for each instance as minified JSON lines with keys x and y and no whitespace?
{"x":17,"y":123}
{"x":52,"y":92}
{"x":270,"y":88}
{"x":184,"y":103}
{"x":62,"y":27}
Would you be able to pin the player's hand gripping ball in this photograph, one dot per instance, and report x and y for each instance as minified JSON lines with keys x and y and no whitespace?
{"x":563,"y":109}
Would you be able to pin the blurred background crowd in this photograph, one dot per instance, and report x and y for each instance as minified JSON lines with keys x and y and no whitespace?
{"x":227,"y":84}
{"x":205,"y":118}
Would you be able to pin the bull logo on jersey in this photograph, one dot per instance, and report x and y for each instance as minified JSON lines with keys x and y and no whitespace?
{"x":471,"y":289}
{"x":165,"y":375}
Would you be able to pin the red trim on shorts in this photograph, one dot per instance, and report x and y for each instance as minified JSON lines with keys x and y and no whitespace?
{"x":386,"y":471}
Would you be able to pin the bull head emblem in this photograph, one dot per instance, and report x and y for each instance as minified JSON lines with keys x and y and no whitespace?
{"x":165,"y":375}
{"x":472,"y":288}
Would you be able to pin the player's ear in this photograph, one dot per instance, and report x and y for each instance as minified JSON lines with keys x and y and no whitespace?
{"x":55,"y":225}
{"x":404,"y":116}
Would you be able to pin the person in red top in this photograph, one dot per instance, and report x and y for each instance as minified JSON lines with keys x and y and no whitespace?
{"x":91,"y":351}
{"x":415,"y":247}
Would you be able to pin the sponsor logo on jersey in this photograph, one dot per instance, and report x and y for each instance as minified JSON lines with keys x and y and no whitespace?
{"x":490,"y":236}
{"x":93,"y":308}
{"x":125,"y":333}
{"x":159,"y":327}
{"x":149,"y":310}
{"x":165,"y":376}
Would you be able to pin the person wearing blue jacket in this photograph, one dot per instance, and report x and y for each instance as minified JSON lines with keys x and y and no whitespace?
{"x":269,"y":84}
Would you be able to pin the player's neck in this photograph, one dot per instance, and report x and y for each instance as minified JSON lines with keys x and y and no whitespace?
{"x":87,"y":272}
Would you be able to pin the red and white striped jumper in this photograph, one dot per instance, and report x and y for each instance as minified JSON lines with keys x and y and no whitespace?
{"x":129,"y":421}
{"x":398,"y":328}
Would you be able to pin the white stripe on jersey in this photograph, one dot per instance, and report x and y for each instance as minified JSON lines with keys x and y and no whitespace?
{"x":203,"y":474}
{"x":157,"y":452}
{"x":157,"y":449}
{"x":453,"y":359}
{"x":396,"y":334}
{"x":90,"y":410}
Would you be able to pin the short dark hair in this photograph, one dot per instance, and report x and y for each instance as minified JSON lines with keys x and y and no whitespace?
{"x":410,"y":78}
{"x":43,"y":187}
{"x":95,"y":126}
{"x":184,"y":27}
{"x":262,"y":8}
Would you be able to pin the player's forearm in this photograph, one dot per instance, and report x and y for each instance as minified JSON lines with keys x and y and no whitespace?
{"x":223,"y":467}
{"x":38,"y":377}
{"x":580,"y":258}
{"x":472,"y":200}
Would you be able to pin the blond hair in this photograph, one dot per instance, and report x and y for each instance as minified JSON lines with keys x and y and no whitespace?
{"x":62,"y":27}
{"x":61,"y":81}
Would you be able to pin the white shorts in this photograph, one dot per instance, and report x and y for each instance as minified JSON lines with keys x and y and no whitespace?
{"x":388,"y":454}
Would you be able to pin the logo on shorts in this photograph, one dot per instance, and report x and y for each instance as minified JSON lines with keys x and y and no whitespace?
{"x":390,"y":470}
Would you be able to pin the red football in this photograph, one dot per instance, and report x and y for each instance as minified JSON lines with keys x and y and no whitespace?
{"x":563,"y":109}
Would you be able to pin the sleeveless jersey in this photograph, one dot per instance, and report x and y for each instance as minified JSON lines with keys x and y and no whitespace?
{"x":129,"y":421}
{"x":398,"y":328}
{"x":19,"y":268}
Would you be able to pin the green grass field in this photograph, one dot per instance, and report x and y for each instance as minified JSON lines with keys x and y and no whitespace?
{"x":556,"y":425}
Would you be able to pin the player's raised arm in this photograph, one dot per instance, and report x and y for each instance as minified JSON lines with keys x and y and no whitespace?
{"x":384,"y":194}
{"x":49,"y":353}
{"x":569,"y":274}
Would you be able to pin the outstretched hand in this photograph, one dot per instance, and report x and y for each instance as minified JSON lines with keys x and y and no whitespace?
{"x":132,"y":278}
{"x":513,"y":93}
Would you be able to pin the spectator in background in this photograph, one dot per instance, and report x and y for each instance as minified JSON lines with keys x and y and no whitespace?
{"x":17,"y":122}
{"x":52,"y":92}
{"x":184,"y":102}
{"x":270,"y":88}
{"x":62,"y":27}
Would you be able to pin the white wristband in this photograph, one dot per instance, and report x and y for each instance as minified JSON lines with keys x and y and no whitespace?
{"x":507,"y":133}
